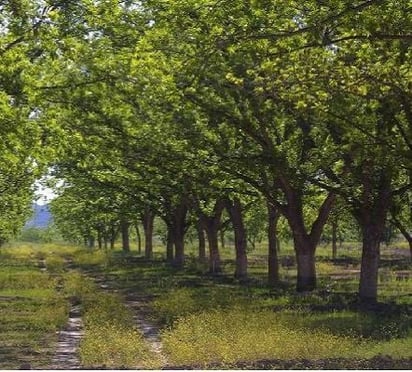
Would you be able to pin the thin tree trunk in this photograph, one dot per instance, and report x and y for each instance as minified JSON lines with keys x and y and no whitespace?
{"x":334,"y":237}
{"x":170,"y":241}
{"x":124,"y":226}
{"x":139,"y":238}
{"x":235,"y":212}
{"x":211,"y":226}
{"x":222,"y":238}
{"x":148,"y":220}
{"x":273,"y":261}
{"x":113,"y":235}
{"x":404,"y":232}
{"x":202,"y":242}
{"x":99,"y":239}
{"x":91,"y":242}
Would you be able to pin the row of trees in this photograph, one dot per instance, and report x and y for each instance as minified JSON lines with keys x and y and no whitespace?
{"x":161,"y":108}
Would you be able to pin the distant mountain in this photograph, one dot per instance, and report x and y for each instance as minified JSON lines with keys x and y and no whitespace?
{"x":41,"y":216}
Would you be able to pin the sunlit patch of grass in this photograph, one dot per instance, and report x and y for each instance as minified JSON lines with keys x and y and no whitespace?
{"x":24,"y":278}
{"x":31,"y":310}
{"x":113,"y":345}
{"x":183,"y":301}
{"x":92,"y":258}
{"x":238,"y":334}
{"x":243,"y":335}
{"x":111,"y":338}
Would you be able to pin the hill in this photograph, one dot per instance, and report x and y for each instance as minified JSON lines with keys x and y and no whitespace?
{"x":41,"y":216}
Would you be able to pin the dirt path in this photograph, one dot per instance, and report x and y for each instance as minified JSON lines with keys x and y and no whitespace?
{"x":151,"y":333}
{"x":139,"y":305}
{"x":67,"y":355}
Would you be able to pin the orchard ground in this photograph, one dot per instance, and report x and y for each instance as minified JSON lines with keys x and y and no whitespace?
{"x":203,"y":321}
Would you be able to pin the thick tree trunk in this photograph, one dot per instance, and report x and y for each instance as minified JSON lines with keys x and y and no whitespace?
{"x":214,"y":254}
{"x":368,"y":284}
{"x":179,"y":258}
{"x":147,"y":221}
{"x":202,"y":242}
{"x":305,"y":243}
{"x":179,"y":223}
{"x":273,"y":261}
{"x":235,"y":212}
{"x":170,"y":241}
{"x":305,"y":259}
{"x":124,"y":226}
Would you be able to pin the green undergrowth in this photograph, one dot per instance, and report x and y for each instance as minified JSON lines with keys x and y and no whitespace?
{"x":230,"y":336}
{"x":32,"y":309}
{"x":111,"y":339}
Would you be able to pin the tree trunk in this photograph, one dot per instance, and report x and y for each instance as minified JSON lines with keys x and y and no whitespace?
{"x":222,"y":238}
{"x":305,"y":260}
{"x":211,"y":226}
{"x":404,"y":232}
{"x":148,"y":220}
{"x":273,"y":261}
{"x":179,"y":258}
{"x":334,"y":237}
{"x":124,"y":226}
{"x":179,"y":223}
{"x":139,"y":238}
{"x":202,"y":242}
{"x":368,"y":284}
{"x":170,"y":241}
{"x":91,"y":242}
{"x":99,"y":239}
{"x":113,"y":236}
{"x":305,"y":243}
{"x":214,"y":255}
{"x":235,"y":212}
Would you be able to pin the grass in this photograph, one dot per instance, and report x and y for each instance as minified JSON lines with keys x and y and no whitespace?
{"x":111,"y":339}
{"x":205,"y":320}
{"x":31,"y":308}
{"x":227,"y":337}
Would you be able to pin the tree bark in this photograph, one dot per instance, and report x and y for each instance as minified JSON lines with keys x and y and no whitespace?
{"x":202,"y":242}
{"x":305,"y":243}
{"x":368,"y":284}
{"x":139,"y":238}
{"x":371,"y":215}
{"x":211,"y":226}
{"x":99,"y":239}
{"x":147,"y":221}
{"x":334,"y":237}
{"x":179,"y":223}
{"x":170,"y":241}
{"x":113,"y":235}
{"x":273,"y":261}
{"x":234,"y":209}
{"x":124,"y":226}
